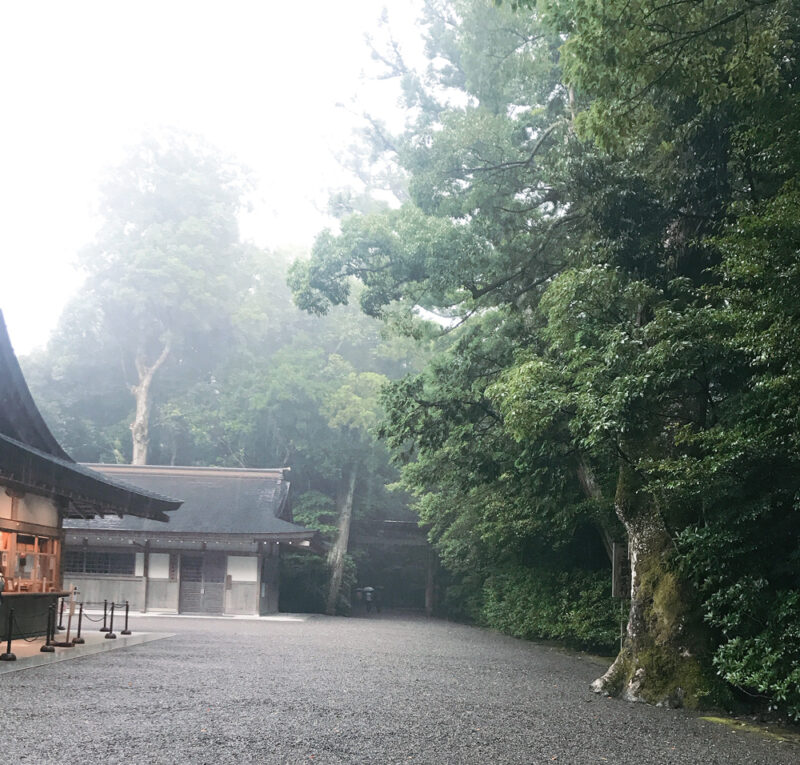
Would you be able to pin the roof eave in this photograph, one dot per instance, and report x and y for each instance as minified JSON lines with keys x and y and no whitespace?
{"x":28,"y":469}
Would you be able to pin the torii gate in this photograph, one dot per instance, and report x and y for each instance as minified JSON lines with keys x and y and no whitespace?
{"x":394,"y":534}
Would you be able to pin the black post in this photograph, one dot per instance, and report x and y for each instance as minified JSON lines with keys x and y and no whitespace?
{"x":105,"y":611}
{"x":110,"y":634}
{"x":8,"y":656}
{"x":78,"y":640}
{"x":126,"y":631}
{"x":61,"y":617}
{"x":51,"y":628}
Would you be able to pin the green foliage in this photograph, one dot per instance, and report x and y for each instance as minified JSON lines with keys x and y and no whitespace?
{"x":166,"y":262}
{"x":745,"y":565}
{"x":603,"y":204}
{"x":461,"y":595}
{"x":639,"y":59}
{"x":304,"y":584}
{"x":304,"y":581}
{"x":544,"y":604}
{"x":315,"y":510}
{"x":767,"y":662}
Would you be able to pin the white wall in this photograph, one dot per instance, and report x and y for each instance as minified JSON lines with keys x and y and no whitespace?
{"x":30,"y":509}
{"x":243,"y":568}
{"x":93,"y":590}
{"x":159,"y":566}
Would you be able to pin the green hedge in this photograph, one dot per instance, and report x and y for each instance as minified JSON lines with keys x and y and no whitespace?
{"x":536,"y":604}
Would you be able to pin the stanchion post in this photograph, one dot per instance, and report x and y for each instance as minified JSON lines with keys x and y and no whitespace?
{"x":105,"y":612}
{"x":60,"y":627}
{"x":110,"y":634}
{"x":8,"y":656}
{"x":78,"y":640}
{"x":126,"y":631}
{"x":51,"y":625}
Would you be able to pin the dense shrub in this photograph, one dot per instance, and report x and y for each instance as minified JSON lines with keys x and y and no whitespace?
{"x":745,"y":566}
{"x":768,"y":662}
{"x":460,"y":596}
{"x":304,"y":584}
{"x":571,"y":606}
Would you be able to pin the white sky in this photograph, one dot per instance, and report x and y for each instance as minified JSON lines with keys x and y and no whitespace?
{"x":81,"y":81}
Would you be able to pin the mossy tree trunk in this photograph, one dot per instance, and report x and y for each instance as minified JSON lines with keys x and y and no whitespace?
{"x":658,"y":662}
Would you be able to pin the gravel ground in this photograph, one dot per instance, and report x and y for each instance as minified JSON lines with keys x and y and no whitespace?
{"x":379,"y":690}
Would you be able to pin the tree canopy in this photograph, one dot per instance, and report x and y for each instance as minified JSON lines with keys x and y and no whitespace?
{"x":224,"y":370}
{"x":601,"y":205}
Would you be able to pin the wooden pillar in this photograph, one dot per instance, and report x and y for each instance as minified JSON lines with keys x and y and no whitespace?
{"x":58,"y":552}
{"x":430,"y":584}
{"x":12,"y":559}
{"x":146,"y":573}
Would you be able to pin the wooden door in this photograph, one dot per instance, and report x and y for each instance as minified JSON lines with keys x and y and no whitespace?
{"x":202,"y":589}
{"x":214,"y":569}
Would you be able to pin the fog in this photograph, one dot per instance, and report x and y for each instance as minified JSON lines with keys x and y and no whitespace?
{"x":280,"y":86}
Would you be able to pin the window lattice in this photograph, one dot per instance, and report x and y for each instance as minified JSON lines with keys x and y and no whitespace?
{"x":91,"y":562}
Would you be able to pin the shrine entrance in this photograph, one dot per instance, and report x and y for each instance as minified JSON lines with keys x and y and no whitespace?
{"x":202,"y":588}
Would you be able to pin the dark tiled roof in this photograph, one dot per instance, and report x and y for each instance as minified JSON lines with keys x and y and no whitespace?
{"x":19,"y":417}
{"x":32,"y":460}
{"x":215,"y":500}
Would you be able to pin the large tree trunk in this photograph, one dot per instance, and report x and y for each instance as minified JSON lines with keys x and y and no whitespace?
{"x":339,"y":549}
{"x":657,"y":662}
{"x":591,"y":488}
{"x":140,"y":427}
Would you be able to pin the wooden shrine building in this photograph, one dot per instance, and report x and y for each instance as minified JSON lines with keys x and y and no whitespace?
{"x":218,"y":555}
{"x":41,"y":487}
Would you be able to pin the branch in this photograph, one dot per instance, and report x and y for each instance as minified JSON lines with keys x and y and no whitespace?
{"x":380,"y":135}
{"x":146,"y":373}
{"x":519,"y":163}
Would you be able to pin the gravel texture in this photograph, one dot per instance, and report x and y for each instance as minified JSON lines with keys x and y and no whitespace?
{"x":328,"y":690}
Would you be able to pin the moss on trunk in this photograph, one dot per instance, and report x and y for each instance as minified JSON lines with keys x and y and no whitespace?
{"x":662,"y":660}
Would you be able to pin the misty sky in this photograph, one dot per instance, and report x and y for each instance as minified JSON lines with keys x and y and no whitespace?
{"x":264,"y":81}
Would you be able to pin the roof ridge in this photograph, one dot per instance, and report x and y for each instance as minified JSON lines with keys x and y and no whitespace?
{"x":123,"y":467}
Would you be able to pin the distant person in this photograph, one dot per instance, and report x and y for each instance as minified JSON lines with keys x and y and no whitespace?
{"x":369,"y":597}
{"x":2,"y":585}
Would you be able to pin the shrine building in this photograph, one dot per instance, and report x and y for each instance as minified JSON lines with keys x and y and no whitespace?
{"x":218,"y":555}
{"x":40,"y":488}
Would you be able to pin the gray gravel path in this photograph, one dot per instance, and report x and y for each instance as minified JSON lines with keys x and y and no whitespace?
{"x":381,"y":690}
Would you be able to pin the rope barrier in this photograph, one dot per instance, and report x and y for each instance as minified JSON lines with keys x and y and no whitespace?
{"x":110,"y":635}
{"x":98,"y":619}
{"x":20,"y":633}
{"x":104,"y":628}
{"x":78,"y":639}
{"x":14,"y":628}
{"x":126,"y":631}
{"x":51,"y":629}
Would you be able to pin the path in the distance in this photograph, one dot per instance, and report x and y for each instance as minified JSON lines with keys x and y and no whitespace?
{"x":382,"y":690}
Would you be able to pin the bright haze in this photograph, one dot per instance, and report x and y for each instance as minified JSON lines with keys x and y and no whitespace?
{"x":277,"y":85}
